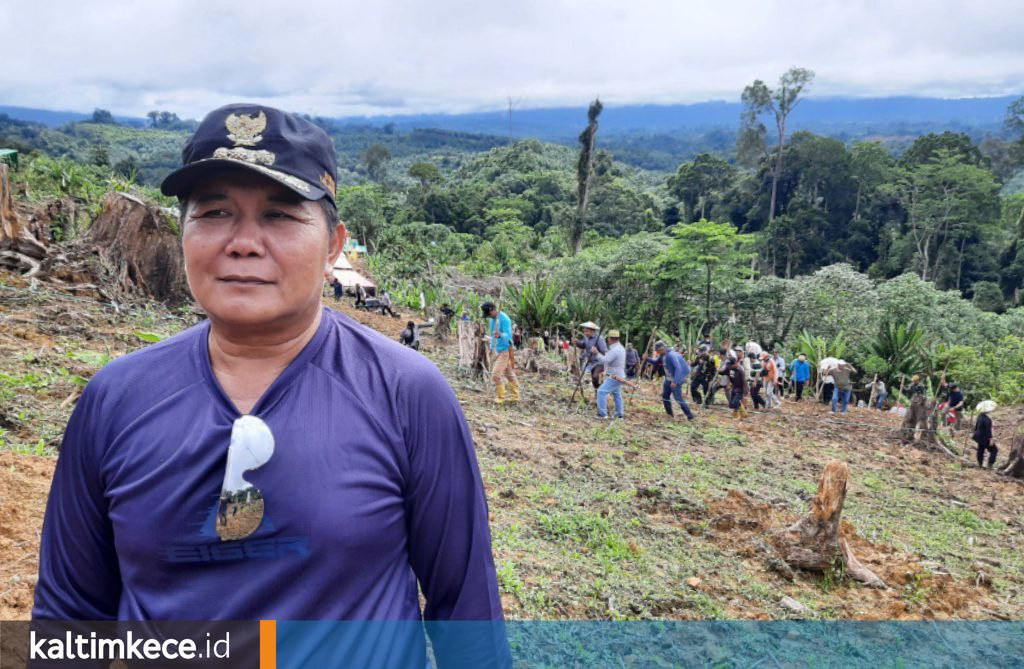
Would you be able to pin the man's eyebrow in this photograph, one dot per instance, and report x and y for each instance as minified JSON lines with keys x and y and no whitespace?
{"x":209,"y":196}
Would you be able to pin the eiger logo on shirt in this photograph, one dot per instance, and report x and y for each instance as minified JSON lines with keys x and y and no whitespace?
{"x":253,"y":549}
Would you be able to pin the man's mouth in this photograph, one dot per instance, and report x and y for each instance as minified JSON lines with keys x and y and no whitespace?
{"x":244,"y":280}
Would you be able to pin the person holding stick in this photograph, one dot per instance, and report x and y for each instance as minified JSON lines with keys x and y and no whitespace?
{"x":676,"y":371}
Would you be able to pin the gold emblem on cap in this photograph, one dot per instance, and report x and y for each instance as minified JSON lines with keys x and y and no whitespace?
{"x":256,"y":157}
{"x":328,"y":181}
{"x":244,"y":130}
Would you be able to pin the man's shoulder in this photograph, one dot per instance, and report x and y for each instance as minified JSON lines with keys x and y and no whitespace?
{"x":158,"y":369}
{"x":360,"y":354}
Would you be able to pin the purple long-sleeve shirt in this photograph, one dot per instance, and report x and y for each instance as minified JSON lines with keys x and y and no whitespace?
{"x":373,"y":485}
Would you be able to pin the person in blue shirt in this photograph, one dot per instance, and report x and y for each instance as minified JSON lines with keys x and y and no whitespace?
{"x":676,"y":371}
{"x":800,"y":374}
{"x":347,"y":454}
{"x":499,"y":329}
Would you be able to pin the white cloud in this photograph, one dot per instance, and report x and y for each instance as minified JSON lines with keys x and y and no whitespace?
{"x":339,"y":58}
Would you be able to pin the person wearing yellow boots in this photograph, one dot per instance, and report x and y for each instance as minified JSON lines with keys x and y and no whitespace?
{"x":499,"y":330}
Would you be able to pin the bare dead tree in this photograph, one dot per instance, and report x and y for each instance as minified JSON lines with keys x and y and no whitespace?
{"x":758,"y":99}
{"x":584,"y":174}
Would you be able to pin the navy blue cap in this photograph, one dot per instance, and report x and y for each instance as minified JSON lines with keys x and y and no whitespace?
{"x":276,"y":144}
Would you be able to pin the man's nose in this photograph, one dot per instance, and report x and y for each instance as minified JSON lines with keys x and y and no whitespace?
{"x":246,"y":238}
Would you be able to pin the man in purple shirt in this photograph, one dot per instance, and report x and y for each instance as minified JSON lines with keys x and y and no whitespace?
{"x":278,"y":460}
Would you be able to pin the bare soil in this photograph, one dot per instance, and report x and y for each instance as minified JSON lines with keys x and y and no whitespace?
{"x":649,"y":517}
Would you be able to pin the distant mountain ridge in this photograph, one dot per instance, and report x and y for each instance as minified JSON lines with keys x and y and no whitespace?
{"x":561,"y":123}
{"x":57,"y":117}
{"x":818,"y":114}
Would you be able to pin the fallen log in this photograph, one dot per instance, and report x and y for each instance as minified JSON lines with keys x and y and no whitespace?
{"x":815,"y":542}
{"x":19,"y":262}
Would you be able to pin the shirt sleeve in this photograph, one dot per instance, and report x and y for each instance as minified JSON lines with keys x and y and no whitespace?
{"x":447,"y":516}
{"x":682,"y":371}
{"x":79,"y":577}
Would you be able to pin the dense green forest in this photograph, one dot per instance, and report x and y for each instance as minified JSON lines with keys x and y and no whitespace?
{"x":807,"y":242}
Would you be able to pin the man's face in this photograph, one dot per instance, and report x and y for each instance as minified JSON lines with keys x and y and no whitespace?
{"x":255,"y":252}
{"x":589,"y":332}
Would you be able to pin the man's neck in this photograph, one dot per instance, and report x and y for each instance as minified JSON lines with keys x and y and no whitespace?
{"x":233,"y":352}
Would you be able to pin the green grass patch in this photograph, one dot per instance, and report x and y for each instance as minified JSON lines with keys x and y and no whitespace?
{"x":580,"y":529}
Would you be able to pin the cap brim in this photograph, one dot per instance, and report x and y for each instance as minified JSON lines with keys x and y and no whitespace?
{"x":183,"y":179}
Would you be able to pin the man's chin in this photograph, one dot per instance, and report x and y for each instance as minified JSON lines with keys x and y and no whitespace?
{"x":252,"y":317}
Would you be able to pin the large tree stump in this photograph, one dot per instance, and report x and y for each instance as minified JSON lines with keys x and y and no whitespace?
{"x":481,"y":366}
{"x":21,"y":246}
{"x":467,"y":344}
{"x":140,"y":247}
{"x":815,"y":541}
{"x":1015,"y":463}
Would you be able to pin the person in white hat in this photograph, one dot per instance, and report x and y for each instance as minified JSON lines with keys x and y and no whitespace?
{"x":983,"y":433}
{"x":593,"y":345}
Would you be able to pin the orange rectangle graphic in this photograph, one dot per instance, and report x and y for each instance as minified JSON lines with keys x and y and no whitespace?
{"x":268,"y":644}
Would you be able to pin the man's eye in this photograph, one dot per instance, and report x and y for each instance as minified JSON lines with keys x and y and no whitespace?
{"x":213,"y":213}
{"x":279,"y":215}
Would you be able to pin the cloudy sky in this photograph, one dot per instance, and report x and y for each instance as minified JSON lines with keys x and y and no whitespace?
{"x":337,"y":57}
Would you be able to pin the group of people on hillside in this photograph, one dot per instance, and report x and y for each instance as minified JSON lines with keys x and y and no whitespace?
{"x":749,"y":377}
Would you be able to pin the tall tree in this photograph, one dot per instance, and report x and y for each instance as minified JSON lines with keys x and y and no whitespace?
{"x":699,"y":184}
{"x":1015,"y":124}
{"x":103,"y":116}
{"x":362,"y":209}
{"x":426,"y":174}
{"x":947,"y":201}
{"x":704,"y":258}
{"x":1015,"y":117}
{"x":759,"y":99}
{"x":927,"y":147}
{"x":584,"y":174}
{"x":376,"y":159}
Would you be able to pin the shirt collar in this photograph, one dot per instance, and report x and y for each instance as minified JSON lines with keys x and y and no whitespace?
{"x":273,"y":394}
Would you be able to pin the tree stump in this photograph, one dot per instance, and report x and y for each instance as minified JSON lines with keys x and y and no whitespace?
{"x":481,"y":366}
{"x":21,"y":248}
{"x":443,"y":327}
{"x":815,"y":541}
{"x":1015,"y":463}
{"x":467,"y":344}
{"x":142,"y":251}
{"x":921,"y":418}
{"x":527,"y":360}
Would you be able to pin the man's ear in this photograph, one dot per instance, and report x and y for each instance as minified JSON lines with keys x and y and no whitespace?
{"x":334,"y":248}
